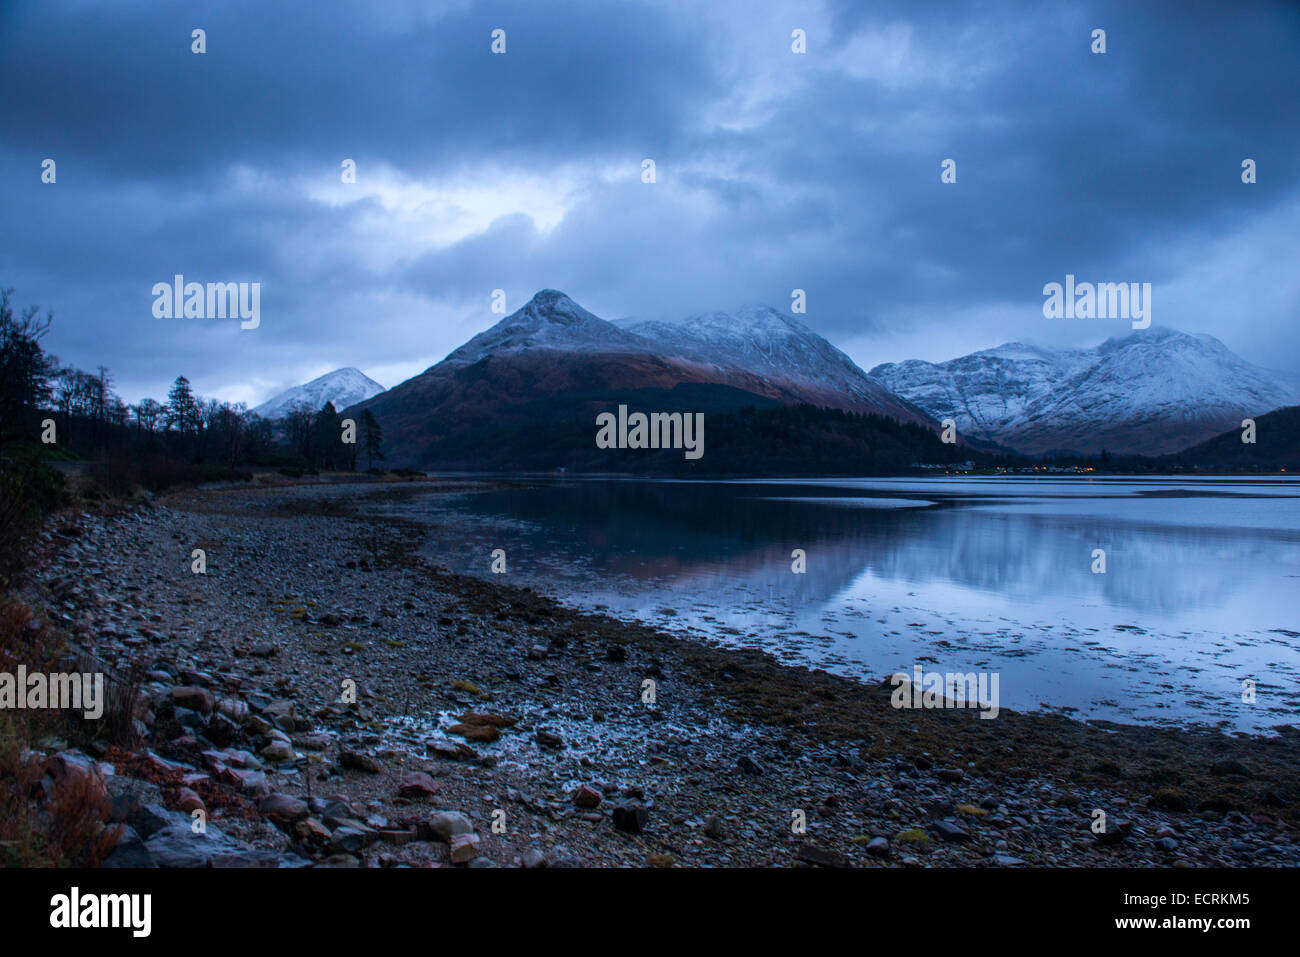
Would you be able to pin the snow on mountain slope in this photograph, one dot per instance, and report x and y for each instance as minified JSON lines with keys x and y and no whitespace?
{"x":763,"y":341}
{"x":343,"y":387}
{"x":756,"y":349}
{"x":1150,"y":392}
{"x":550,"y":320}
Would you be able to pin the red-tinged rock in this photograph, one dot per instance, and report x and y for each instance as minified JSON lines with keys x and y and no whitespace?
{"x":464,"y":848}
{"x":417,"y":784}
{"x":283,"y":807}
{"x":587,"y":796}
{"x":490,"y":720}
{"x":250,"y":782}
{"x":451,"y":750}
{"x":312,"y":831}
{"x":484,"y":733}
{"x":162,"y":766}
{"x":196,"y":699}
{"x":189,"y":800}
{"x":214,"y":759}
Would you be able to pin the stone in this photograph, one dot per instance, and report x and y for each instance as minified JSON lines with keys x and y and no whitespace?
{"x":336,"y":812}
{"x":127,"y":794}
{"x":358,"y":761}
{"x":178,"y":846}
{"x":312,"y":831}
{"x":821,"y":856}
{"x":444,"y":825}
{"x":464,"y":847}
{"x":951,"y":832}
{"x":587,"y":797}
{"x":878,"y":847}
{"x":491,"y":720}
{"x":193,"y":698}
{"x":278,"y":751}
{"x":1116,"y":832}
{"x":483,"y":733}
{"x":450,"y":750}
{"x":348,"y":840}
{"x":952,"y":775}
{"x":251,"y":782}
{"x":149,"y":819}
{"x":417,"y":784}
{"x":129,"y":851}
{"x":283,"y":807}
{"x":748,"y":765}
{"x":548,"y":740}
{"x":533,"y":858}
{"x":630,"y":818}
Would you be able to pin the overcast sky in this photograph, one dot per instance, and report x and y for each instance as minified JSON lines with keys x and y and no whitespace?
{"x":522,"y":171}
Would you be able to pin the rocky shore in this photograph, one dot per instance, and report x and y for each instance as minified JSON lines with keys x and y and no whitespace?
{"x":494,"y":727}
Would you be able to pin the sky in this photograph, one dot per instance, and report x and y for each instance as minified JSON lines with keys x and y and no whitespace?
{"x":523,"y":170}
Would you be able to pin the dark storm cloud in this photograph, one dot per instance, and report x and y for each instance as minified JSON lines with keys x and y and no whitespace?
{"x":288,"y":83}
{"x":775,"y":171}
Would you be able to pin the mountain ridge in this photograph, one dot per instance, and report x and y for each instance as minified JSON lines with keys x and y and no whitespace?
{"x":1151,"y":392}
{"x":554,"y":357}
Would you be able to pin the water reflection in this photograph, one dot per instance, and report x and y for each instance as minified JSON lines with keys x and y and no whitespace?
{"x":1199,"y":583}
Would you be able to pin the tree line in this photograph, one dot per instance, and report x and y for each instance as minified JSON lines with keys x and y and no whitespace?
{"x":78,"y":414}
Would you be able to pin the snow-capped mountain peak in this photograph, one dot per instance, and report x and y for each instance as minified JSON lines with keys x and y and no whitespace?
{"x":1151,"y":391}
{"x":550,"y":320}
{"x":755,"y":348}
{"x":343,"y":387}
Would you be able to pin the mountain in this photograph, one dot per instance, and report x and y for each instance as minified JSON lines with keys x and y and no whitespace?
{"x":343,"y":387}
{"x":1276,"y":445}
{"x":552,"y":365}
{"x":1151,"y":392}
{"x":790,"y":357}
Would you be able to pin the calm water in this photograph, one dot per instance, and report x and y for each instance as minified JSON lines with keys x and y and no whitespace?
{"x":1200,"y":589}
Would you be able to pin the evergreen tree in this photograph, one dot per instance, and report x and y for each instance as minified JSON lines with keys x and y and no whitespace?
{"x":372,"y":438}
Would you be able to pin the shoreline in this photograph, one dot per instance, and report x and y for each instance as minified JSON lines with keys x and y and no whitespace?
{"x":302,"y":591}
